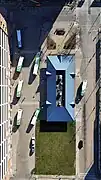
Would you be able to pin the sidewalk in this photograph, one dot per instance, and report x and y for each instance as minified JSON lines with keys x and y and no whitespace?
{"x":78,"y":118}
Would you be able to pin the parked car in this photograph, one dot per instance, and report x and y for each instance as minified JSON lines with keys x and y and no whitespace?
{"x":84,"y":86}
{"x":36,"y":114}
{"x":37,"y":63}
{"x":19,"y":88}
{"x":19,"y":38}
{"x":81,"y":91}
{"x":33,"y":144}
{"x":19,"y":117}
{"x":20,"y":63}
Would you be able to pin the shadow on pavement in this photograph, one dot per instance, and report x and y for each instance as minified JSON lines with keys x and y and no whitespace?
{"x":31,"y":75}
{"x":43,"y":91}
{"x":78,"y":97}
{"x":16,"y":75}
{"x":30,"y":126}
{"x":38,"y":89}
{"x":42,"y":84}
{"x":15,"y":99}
{"x":30,"y":153}
{"x":15,"y":127}
{"x":80,"y":3}
{"x":35,"y":24}
{"x":96,"y":4}
{"x":32,"y":171}
{"x":30,"y":144}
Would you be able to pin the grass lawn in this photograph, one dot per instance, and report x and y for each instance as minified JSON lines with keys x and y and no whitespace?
{"x":55,"y":151}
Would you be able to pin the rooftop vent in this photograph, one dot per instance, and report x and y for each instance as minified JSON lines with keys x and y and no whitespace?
{"x":72,"y":75}
{"x":51,"y":45}
{"x":48,"y":103}
{"x":72,"y":104}
{"x":48,"y":73}
{"x":59,"y":32}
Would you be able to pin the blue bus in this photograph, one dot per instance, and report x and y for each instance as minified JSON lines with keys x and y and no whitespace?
{"x":19,"y":40}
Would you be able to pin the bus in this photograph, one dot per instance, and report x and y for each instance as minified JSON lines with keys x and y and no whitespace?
{"x":37,"y":63}
{"x":19,"y":117}
{"x":19,"y":40}
{"x":20,"y":63}
{"x":35,"y":117}
{"x":19,"y":88}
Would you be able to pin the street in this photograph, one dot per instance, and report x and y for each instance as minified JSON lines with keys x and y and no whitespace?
{"x":34,"y":26}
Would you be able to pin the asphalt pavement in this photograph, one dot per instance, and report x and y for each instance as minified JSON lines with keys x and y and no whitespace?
{"x":35,"y":26}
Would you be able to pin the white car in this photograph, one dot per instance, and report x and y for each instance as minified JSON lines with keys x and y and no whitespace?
{"x":84,"y":86}
{"x":19,"y":116}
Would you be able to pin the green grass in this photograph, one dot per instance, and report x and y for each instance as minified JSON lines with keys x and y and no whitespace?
{"x":55,"y":151}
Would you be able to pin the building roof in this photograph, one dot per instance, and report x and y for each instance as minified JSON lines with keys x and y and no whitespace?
{"x":63,"y":63}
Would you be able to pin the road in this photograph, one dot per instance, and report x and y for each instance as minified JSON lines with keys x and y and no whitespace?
{"x":23,"y":163}
{"x":35,"y":25}
{"x":89,"y":24}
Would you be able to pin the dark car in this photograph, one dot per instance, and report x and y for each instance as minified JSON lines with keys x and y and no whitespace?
{"x":33,"y":144}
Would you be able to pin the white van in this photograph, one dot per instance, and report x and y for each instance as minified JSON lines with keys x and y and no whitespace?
{"x":19,"y":39}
